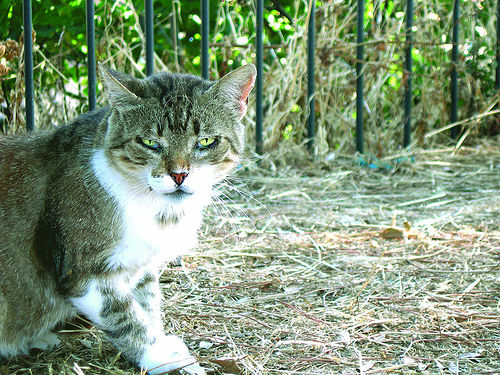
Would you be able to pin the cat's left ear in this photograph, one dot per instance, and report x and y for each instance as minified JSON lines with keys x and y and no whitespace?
{"x":235,"y":87}
{"x":119,"y":88}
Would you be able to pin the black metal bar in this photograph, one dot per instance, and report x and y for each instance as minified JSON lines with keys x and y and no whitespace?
{"x":150,"y":49}
{"x":258,"y":83}
{"x":310,"y":75}
{"x":28,"y":66}
{"x":497,"y":80}
{"x":359,"y":74}
{"x":454,"y":74}
{"x":205,"y":30}
{"x":91,"y":54}
{"x":174,"y":35}
{"x":408,"y":73}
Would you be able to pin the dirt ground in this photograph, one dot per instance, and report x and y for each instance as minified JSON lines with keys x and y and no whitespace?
{"x":333,"y":268}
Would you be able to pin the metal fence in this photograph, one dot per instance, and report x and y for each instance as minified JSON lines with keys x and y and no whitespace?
{"x":28,"y":51}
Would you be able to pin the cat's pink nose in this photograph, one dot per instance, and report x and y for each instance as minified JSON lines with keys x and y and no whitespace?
{"x":178,"y":177}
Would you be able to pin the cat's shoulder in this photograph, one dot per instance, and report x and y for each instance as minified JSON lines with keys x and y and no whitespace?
{"x":60,"y":139}
{"x":79,"y":129}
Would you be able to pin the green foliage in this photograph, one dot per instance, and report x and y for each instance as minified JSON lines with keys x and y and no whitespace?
{"x":60,"y":28}
{"x":61,"y":51}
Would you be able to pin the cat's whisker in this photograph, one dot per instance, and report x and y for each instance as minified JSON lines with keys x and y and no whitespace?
{"x":236,"y":205}
{"x":249,"y":197}
{"x":222,"y":199}
{"x":220,"y":204}
{"x":238,"y":208}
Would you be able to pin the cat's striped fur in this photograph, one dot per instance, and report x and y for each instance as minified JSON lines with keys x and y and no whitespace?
{"x":89,"y":211}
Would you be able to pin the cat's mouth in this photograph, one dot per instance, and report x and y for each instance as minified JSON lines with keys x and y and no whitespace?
{"x":178,"y":195}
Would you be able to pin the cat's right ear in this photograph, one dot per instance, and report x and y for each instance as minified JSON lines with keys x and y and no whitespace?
{"x":233,"y":89}
{"x":115,"y":86}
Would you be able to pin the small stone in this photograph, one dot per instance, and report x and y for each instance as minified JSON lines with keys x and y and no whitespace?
{"x":205,"y":344}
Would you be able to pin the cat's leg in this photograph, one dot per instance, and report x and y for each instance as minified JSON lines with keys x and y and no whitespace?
{"x":47,"y":341}
{"x":134,"y":330}
{"x":168,"y":349}
{"x":23,"y":329}
{"x":3,"y":315}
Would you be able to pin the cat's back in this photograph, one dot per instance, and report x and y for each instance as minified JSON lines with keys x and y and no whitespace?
{"x":32,"y":165}
{"x":42,"y":148}
{"x":23,"y":174}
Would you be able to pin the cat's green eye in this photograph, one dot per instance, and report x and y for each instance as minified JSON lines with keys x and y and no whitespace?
{"x":150,"y":143}
{"x":206,"y":142}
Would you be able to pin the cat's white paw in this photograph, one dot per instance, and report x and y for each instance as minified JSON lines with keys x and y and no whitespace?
{"x":194,"y":369}
{"x":169,"y":353}
{"x":45,"y":342}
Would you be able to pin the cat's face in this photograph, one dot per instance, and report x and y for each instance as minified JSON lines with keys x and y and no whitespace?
{"x":175,"y":136}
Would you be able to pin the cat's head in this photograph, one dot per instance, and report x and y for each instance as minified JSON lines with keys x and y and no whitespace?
{"x":175,"y":135}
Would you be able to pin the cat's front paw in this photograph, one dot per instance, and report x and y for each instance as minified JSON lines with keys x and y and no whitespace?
{"x":46,"y":342}
{"x":169,"y":353}
{"x":194,"y":369}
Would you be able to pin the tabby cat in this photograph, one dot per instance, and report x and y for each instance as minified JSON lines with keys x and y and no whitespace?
{"x":90,"y":210}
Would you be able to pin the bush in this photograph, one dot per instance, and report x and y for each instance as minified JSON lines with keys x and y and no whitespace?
{"x":61,"y":71}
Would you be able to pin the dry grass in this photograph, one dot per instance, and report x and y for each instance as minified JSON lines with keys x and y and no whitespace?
{"x":334,"y":269}
{"x":285,"y":84}
{"x":285,"y":73}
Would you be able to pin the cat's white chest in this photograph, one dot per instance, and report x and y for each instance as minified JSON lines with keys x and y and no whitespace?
{"x":145,"y":241}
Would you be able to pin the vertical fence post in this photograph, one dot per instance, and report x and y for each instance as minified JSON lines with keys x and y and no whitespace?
{"x":28,"y":66}
{"x":359,"y":76}
{"x":310,"y":75}
{"x":258,"y":83}
{"x":150,"y":64}
{"x":91,"y":54}
{"x":497,"y":81}
{"x":408,"y":73}
{"x":454,"y":74}
{"x":205,"y":29}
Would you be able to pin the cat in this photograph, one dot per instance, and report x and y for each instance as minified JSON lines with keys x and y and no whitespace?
{"x":90,"y":211}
